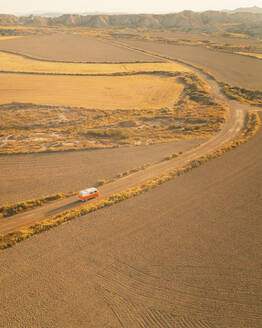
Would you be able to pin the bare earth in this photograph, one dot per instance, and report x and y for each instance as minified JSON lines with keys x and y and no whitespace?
{"x":72,"y":48}
{"x":190,"y":259}
{"x":231,"y":129}
{"x":234,"y":69}
{"x":185,"y":255}
{"x":25,"y":177}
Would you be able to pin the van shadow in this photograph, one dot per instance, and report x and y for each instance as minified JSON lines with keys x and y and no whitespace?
{"x":63,"y":208}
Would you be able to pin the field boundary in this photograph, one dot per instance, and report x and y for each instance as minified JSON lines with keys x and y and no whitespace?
{"x":74,"y":62}
{"x":193,"y":91}
{"x":227,"y":88}
{"x":252,"y":127}
{"x":167,"y":73}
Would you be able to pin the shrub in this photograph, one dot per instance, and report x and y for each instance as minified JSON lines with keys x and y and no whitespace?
{"x":101,"y":182}
{"x":9,"y":210}
{"x":169,"y":157}
{"x":116,"y":134}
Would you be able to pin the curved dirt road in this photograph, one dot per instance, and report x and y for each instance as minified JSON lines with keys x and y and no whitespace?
{"x":231,"y":129}
{"x":186,"y":254}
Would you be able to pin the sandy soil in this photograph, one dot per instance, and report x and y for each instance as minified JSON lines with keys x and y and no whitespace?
{"x":70,"y":47}
{"x":234,"y":69}
{"x":24,"y":177}
{"x":100,"y":92}
{"x":187,"y":254}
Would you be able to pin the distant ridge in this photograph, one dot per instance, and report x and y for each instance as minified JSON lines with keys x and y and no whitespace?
{"x":57,"y":14}
{"x":253,"y":10}
{"x":208,"y":21}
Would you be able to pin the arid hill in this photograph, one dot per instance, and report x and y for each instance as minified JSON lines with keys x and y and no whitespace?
{"x":254,"y":10}
{"x":209,"y":21}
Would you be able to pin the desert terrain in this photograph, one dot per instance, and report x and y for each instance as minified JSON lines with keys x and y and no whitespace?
{"x":190,"y":259}
{"x":227,"y":67}
{"x":100,"y":105}
{"x":80,"y":104}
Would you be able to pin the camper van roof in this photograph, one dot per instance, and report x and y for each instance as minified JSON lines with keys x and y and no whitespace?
{"x":89,"y":190}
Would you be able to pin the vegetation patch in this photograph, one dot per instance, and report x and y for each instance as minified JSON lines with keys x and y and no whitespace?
{"x":172,"y":156}
{"x":252,"y":127}
{"x":185,"y":110}
{"x":12,"y":62}
{"x":9,"y":210}
{"x":253,"y":97}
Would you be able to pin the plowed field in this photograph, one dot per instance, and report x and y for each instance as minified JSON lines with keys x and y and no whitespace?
{"x":75,"y":48}
{"x":187,"y":254}
{"x":234,"y":69}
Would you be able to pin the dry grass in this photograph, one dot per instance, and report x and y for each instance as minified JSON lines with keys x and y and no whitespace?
{"x":100,"y":92}
{"x":252,"y":54}
{"x":9,"y":210}
{"x":17,"y":63}
{"x":17,"y":27}
{"x":35,"y":128}
{"x":252,"y":127}
{"x":247,"y":96}
{"x":8,"y":37}
{"x":20,"y":207}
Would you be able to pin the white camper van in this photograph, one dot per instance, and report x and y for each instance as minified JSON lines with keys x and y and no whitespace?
{"x":87,"y":194}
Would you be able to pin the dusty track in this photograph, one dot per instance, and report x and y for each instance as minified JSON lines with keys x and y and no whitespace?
{"x":231,"y":128}
{"x":185,"y":255}
{"x":48,"y":173}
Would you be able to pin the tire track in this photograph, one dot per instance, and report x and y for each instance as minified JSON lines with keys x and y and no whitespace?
{"x":130,"y":314}
{"x":141,"y":296}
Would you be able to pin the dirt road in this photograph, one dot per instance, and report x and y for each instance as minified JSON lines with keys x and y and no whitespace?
{"x":231,"y":128}
{"x":184,"y":255}
{"x":48,"y":173}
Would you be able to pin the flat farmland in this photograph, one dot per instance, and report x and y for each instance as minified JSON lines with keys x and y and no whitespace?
{"x":100,"y":92}
{"x":235,"y":69}
{"x":187,"y":254}
{"x":72,"y":48}
{"x":18,"y":63}
{"x":222,"y":38}
{"x":31,"y":176}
